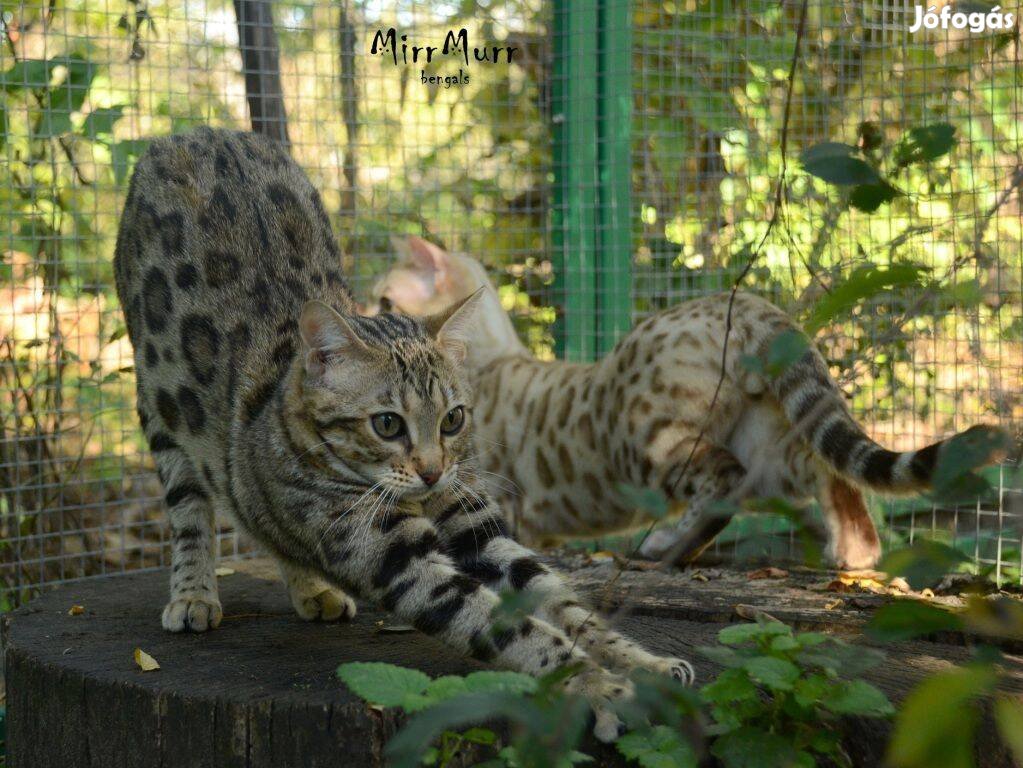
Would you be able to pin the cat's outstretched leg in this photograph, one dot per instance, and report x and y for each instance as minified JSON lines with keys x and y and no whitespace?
{"x":313,"y":598}
{"x":701,"y":478}
{"x":400,"y":560}
{"x":478,"y":541}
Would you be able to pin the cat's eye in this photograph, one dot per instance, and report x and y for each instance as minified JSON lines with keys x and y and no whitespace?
{"x":453,"y":420}
{"x":388,"y":425}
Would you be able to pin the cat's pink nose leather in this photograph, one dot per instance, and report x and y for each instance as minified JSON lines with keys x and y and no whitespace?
{"x":430,"y":477}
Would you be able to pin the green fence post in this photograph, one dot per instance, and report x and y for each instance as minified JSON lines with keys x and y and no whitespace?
{"x":574,"y":113}
{"x":614,"y":262}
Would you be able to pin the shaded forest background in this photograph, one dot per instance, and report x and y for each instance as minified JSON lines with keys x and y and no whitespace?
{"x":901,"y":179}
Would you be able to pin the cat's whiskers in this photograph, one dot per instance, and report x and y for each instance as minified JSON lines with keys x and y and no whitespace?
{"x":337,"y":520}
{"x":491,"y":528}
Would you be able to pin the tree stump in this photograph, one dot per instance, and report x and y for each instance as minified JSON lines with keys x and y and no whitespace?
{"x":260,"y":691}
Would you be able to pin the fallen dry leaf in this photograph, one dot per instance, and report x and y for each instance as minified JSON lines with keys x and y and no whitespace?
{"x":752,"y":613}
{"x":767,"y":573}
{"x":146,"y":662}
{"x":900,"y":584}
{"x":851,"y":582}
{"x":76,"y":610}
{"x":223,"y":571}
{"x":833,"y":604}
{"x":837,"y":585}
{"x":699,"y":577}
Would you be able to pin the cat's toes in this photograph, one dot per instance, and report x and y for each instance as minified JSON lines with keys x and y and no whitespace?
{"x":195,"y":614}
{"x":328,"y":605}
{"x":602,"y":689}
{"x":680,"y":670}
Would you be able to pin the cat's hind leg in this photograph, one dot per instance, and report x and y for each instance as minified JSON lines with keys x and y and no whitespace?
{"x":194,"y":601}
{"x":313,"y":598}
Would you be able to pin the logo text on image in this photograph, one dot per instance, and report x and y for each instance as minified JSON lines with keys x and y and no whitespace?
{"x":975,"y":21}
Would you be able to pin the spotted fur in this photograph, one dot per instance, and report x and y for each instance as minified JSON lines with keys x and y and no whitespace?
{"x":258,"y":389}
{"x":560,"y":439}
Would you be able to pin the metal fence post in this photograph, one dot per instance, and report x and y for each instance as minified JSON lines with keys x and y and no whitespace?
{"x":592,"y":221}
{"x":575,"y":164}
{"x":614,"y":124}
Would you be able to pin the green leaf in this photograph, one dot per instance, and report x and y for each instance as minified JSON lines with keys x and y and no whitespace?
{"x":731,"y":685}
{"x":480,"y":736}
{"x":864,"y":282}
{"x":737,"y":634}
{"x":838,"y":164}
{"x":1009,"y":717}
{"x":67,"y":96}
{"x":658,"y":747}
{"x":649,"y":500}
{"x":808,"y":691}
{"x":978,"y":446}
{"x":776,"y":674}
{"x":784,"y":643}
{"x":936,"y":722}
{"x":405,"y":747}
{"x":786,"y":348}
{"x":101,"y":121}
{"x":123,"y":155}
{"x":905,"y":619}
{"x":869,"y":197}
{"x":507,"y":682}
{"x":384,"y":684}
{"x":858,"y":697}
{"x":28,"y":73}
{"x":926,"y":143}
{"x":750,"y":747}
{"x":923,"y":563}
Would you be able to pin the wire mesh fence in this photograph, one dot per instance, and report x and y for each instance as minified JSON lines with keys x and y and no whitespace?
{"x":605,"y":160}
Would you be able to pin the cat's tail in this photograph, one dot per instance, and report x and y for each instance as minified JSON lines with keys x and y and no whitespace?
{"x":814,"y":405}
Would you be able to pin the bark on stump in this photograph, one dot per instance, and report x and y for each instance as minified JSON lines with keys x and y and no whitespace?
{"x":260,"y":691}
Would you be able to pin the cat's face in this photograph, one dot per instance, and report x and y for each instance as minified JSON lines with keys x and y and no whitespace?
{"x":389,"y":396}
{"x":426,"y":279}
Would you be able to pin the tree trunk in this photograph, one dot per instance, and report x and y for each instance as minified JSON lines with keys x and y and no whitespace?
{"x":349,"y":109}
{"x":257,"y":41}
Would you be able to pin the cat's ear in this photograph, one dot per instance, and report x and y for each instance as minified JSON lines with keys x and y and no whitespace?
{"x":327,"y":334}
{"x":452,"y":328}
{"x":426,"y":256}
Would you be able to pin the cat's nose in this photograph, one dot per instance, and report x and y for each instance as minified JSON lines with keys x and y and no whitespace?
{"x":430,"y":476}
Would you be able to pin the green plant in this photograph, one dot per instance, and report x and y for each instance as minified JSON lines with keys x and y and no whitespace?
{"x":780,"y":698}
{"x":547,"y":725}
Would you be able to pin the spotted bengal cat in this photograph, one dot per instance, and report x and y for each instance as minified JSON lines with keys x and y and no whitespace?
{"x":337,"y":442}
{"x":560,"y":439}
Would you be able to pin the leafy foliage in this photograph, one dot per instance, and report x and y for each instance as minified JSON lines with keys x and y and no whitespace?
{"x":779,"y":700}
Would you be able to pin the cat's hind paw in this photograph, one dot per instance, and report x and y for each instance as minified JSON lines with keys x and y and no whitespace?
{"x":328,"y":605}
{"x":195,"y":614}
{"x":602,"y":690}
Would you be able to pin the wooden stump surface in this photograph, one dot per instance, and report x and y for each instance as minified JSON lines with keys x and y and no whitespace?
{"x":260,"y":691}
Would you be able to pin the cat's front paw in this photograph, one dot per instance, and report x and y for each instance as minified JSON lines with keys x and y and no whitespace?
{"x":328,"y":605}
{"x":679,"y":670}
{"x":602,"y":689}
{"x":196,"y":613}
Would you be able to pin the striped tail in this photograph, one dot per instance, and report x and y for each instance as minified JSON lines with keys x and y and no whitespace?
{"x":813,"y":403}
